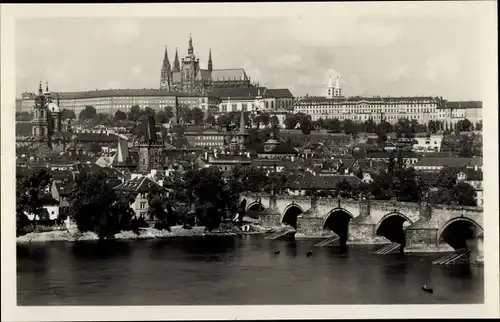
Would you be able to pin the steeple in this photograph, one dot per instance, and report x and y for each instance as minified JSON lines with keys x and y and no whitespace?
{"x":337,"y":90}
{"x":40,"y":91}
{"x":46,"y":87}
{"x":177,"y":66}
{"x":190,"y":48}
{"x":330,"y":88}
{"x":166,"y":62}
{"x":210,"y":67}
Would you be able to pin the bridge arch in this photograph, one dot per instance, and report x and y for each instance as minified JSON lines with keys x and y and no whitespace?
{"x":256,"y":206}
{"x":337,"y":220}
{"x":459,"y":232}
{"x":392,"y":227}
{"x":290,"y":214}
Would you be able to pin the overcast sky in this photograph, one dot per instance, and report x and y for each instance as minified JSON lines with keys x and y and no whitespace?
{"x":436,"y":54}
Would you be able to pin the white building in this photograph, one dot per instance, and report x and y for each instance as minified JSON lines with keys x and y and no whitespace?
{"x":391,"y":109}
{"x":428,"y":144}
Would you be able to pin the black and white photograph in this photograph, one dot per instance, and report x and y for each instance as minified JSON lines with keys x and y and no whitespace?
{"x":271,"y":157}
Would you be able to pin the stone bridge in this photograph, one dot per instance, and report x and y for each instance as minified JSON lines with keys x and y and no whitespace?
{"x":414,"y":226}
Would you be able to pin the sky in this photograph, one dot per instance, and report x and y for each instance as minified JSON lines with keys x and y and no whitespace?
{"x":427,"y":54}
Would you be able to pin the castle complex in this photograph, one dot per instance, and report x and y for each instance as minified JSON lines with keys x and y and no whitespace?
{"x":188,"y":77}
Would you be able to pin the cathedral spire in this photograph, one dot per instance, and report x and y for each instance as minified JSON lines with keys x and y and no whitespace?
{"x":166,"y":62}
{"x":190,"y":49}
{"x":210,"y":66}
{"x":177,"y":67}
{"x":337,"y":83}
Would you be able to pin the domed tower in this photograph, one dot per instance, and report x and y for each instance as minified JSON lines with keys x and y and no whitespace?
{"x":40,"y":124}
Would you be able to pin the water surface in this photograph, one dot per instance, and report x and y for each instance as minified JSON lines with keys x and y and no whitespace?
{"x":233,"y":271}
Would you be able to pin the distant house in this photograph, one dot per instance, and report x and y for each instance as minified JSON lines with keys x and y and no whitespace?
{"x":274,"y":149}
{"x":226,"y":162}
{"x":431,"y":143}
{"x":474,"y":177}
{"x":50,"y":211}
{"x":138,"y":188}
{"x":208,"y":137}
{"x":436,"y":164}
{"x":303,"y":184}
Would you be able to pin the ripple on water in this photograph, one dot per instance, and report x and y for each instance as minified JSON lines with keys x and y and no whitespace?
{"x":233,"y":271}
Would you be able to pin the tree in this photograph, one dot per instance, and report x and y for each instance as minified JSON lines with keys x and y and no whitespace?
{"x":465,"y":125}
{"x":265,"y":118}
{"x":447,"y":177}
{"x":30,"y":195}
{"x":291,"y":121}
{"x":370,"y":126}
{"x":275,"y":122}
{"x":135,"y":113}
{"x":88,"y":113}
{"x":464,"y":194}
{"x":333,"y":125}
{"x":207,"y":191}
{"x":433,"y":126}
{"x":306,"y":125}
{"x":198,"y":116}
{"x":120,"y":116}
{"x":161,"y":117}
{"x":210,"y":119}
{"x":169,"y":113}
{"x":479,"y":126}
{"x":67,"y":114}
{"x":93,"y":205}
{"x":186,"y":114}
{"x":466,"y":147}
{"x":350,"y":127}
{"x":223,"y":121}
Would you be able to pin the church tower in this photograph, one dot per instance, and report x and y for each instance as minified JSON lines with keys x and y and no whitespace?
{"x":177,"y":66}
{"x":337,"y":91}
{"x":150,"y":151}
{"x":40,"y":122}
{"x":166,"y":72}
{"x":330,"y":88}
{"x":190,"y":67}
{"x":210,"y":66}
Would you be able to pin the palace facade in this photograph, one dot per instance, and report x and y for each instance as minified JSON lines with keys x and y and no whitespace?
{"x":391,"y":109}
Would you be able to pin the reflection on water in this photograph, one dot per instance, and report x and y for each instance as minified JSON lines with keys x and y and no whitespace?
{"x":233,"y":270}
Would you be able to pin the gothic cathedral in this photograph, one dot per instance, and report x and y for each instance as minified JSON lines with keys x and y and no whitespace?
{"x":188,"y":77}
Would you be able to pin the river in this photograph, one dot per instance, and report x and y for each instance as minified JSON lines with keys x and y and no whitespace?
{"x":234,"y":270}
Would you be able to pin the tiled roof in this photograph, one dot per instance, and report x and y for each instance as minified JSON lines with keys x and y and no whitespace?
{"x":463,"y":104}
{"x":120,"y":93}
{"x":322,"y":182}
{"x":230,"y":157}
{"x":64,"y":189}
{"x":445,"y":161}
{"x":238,"y":92}
{"x":138,"y":184}
{"x":281,"y":148}
{"x":229,"y":74}
{"x":279,"y":93}
{"x":359,"y":99}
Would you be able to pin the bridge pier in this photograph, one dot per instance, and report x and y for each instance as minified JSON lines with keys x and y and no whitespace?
{"x":268,"y":219}
{"x":310,"y":226}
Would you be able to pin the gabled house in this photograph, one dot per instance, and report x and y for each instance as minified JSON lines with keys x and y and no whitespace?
{"x":138,"y":188}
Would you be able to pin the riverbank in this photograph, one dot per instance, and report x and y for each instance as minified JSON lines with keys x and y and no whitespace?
{"x":144,"y":233}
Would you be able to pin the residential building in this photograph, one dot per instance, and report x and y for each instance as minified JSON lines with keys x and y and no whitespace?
{"x":138,"y":188}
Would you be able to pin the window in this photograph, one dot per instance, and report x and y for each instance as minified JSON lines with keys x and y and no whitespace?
{"x":143,"y":205}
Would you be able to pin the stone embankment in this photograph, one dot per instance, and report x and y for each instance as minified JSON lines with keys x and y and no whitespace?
{"x":145,"y":233}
